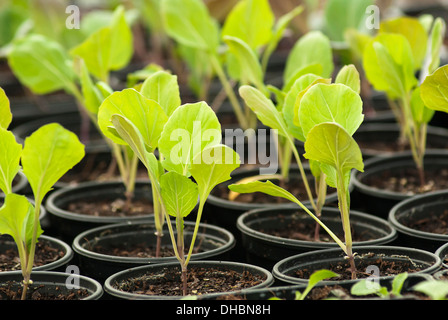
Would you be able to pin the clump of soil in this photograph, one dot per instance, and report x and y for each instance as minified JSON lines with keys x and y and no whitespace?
{"x":200,"y":281}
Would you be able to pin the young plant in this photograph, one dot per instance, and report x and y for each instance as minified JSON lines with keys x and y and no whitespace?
{"x":390,"y":61}
{"x":46,"y":156}
{"x":191,"y":159}
{"x":435,"y":289}
{"x":329,"y":114}
{"x":367,"y":287}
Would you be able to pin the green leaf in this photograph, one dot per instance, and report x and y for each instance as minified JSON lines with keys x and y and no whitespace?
{"x":47,"y":155}
{"x":163,"y":88}
{"x":436,"y":289}
{"x":251,"y":21}
{"x":187,"y":132}
{"x":330,"y":103}
{"x":42,"y":65}
{"x":397,"y":283}
{"x":414,"y":32}
{"x":9,"y":159}
{"x":189,"y":23}
{"x":349,"y":76}
{"x":109,"y":48}
{"x":420,"y":113}
{"x":266,"y":187}
{"x":389,"y":65}
{"x":331,"y":144}
{"x":365,"y":287}
{"x":5,"y":110}
{"x":314,"y":279}
{"x":212,"y":167}
{"x":91,"y":94}
{"x":311,"y":49}
{"x":434,"y":90}
{"x":16,"y":217}
{"x":264,"y":108}
{"x":179,"y":194}
{"x":435,"y":43}
{"x":146,"y":114}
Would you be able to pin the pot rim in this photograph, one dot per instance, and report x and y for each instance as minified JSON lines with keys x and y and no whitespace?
{"x":440,"y":251}
{"x":242,"y":226}
{"x":407,"y":205}
{"x":53,"y":209}
{"x":94,"y":287}
{"x":279,"y":274}
{"x":109,"y":288}
{"x":81,"y":250}
{"x":68,"y":256}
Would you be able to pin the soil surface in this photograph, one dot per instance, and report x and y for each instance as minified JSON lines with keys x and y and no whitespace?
{"x":9,"y":260}
{"x":433,"y":223}
{"x":138,"y":250}
{"x":108,"y":208}
{"x":11,"y":291}
{"x":200,"y":281}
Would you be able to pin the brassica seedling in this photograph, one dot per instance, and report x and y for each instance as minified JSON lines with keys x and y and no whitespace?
{"x":329,"y":114}
{"x":47,"y":155}
{"x":191,"y":159}
{"x":367,"y":287}
{"x":435,"y":289}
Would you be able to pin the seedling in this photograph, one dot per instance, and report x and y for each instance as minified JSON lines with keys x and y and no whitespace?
{"x":329,"y":114}
{"x":435,"y":289}
{"x":190,"y":161}
{"x":46,"y":156}
{"x":366,"y":287}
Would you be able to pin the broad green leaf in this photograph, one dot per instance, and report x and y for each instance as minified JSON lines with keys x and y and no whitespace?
{"x":349,"y":76}
{"x":146,"y":114}
{"x":189,"y":23}
{"x":356,"y":41}
{"x":187,"y":132}
{"x":212,"y":167}
{"x":397,"y":283}
{"x":341,"y":15}
{"x":436,"y":289}
{"x":251,"y":21}
{"x":179,"y":194}
{"x":389,"y":65}
{"x":330,"y":103}
{"x":47,"y":155}
{"x":311,"y":49}
{"x":5,"y":110}
{"x":42,"y":65}
{"x":434,"y":90}
{"x":16,"y":217}
{"x":315,"y":69}
{"x":250,"y":70}
{"x":420,"y":113}
{"x":264,"y":108}
{"x":9,"y":159}
{"x":109,"y":48}
{"x":366,"y":287}
{"x":414,"y":32}
{"x":329,"y":143}
{"x":163,"y":88}
{"x":314,"y":279}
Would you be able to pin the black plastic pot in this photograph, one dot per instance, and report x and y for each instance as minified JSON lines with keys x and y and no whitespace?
{"x":441,"y":275}
{"x":442,"y":252}
{"x":368,"y":135}
{"x":52,"y":283}
{"x":68,"y":224}
{"x":214,"y":242}
{"x":265,"y":250}
{"x":284,"y":270}
{"x":7,"y":243}
{"x":157,"y":270}
{"x":405,"y":213}
{"x":370,"y":199}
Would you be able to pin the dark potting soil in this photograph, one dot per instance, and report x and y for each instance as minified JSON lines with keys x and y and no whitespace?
{"x":200,"y":281}
{"x":45,"y":253}
{"x":108,"y":208}
{"x":431,"y":223}
{"x":137,"y":250}
{"x":11,"y":291}
{"x":406,"y":180}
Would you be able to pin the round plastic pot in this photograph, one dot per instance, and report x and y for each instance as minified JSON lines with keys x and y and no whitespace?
{"x":52,"y":282}
{"x":424,"y":206}
{"x":265,"y":250}
{"x":110,"y":285}
{"x":7,"y":243}
{"x":214,"y":242}
{"x":284,"y":270}
{"x":68,"y":224}
{"x":378,"y":201}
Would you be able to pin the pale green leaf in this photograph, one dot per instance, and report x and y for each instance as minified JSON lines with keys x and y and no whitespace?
{"x":266,"y":187}
{"x":163,"y":88}
{"x":435,"y":43}
{"x":179,"y":194}
{"x":146,"y":114}
{"x":9,"y":159}
{"x":349,"y":76}
{"x":330,"y":103}
{"x":212,"y":167}
{"x":420,"y":113}
{"x":187,"y":132}
{"x":315,"y":278}
{"x":435,"y":289}
{"x":434,"y":90}
{"x":47,"y":155}
{"x":5,"y":110}
{"x":90,"y":92}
